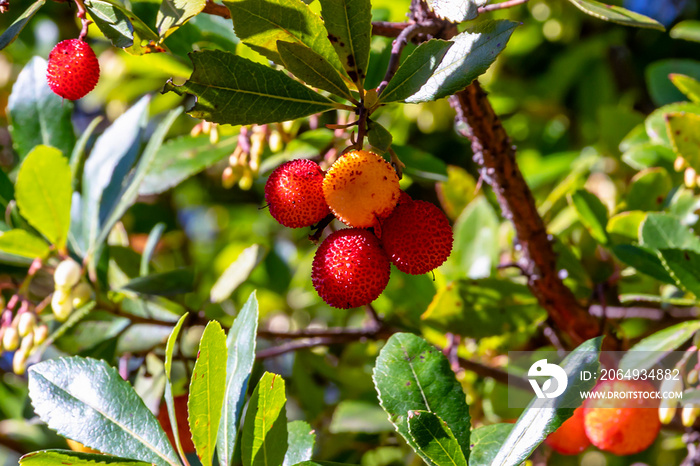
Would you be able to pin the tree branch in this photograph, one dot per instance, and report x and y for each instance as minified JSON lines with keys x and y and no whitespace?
{"x":217,"y":10}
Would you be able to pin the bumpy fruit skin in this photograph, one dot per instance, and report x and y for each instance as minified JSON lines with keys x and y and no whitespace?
{"x":361,"y":188}
{"x":293,"y":192}
{"x":350,"y":268}
{"x":570,"y":438}
{"x":622,"y":426}
{"x":73,"y":69}
{"x":417,"y":237}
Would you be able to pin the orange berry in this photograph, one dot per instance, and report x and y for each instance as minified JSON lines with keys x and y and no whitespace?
{"x":360,"y":188}
{"x":417,"y":237}
{"x":570,"y":438}
{"x":622,"y":426}
{"x":350,"y":268}
{"x":294,"y":194}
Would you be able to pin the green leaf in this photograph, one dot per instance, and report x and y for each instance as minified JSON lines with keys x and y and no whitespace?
{"x":471,"y":55}
{"x":312,"y":68}
{"x":483,"y":308}
{"x":264,"y":441}
{"x":112,"y":21}
{"x":167,"y":366}
{"x":236,"y":91}
{"x":656,"y":122}
{"x":359,"y":416}
{"x":476,"y":245}
{"x":87,"y":401}
{"x":43,"y":192}
{"x":412,"y":375}
{"x":644,"y":260}
{"x":150,"y":248}
{"x":616,"y":14}
{"x":74,"y":458}
{"x":181,"y":158}
{"x":239,"y":363}
{"x":420,"y":164}
{"x":301,"y":443}
{"x":544,"y":416}
{"x":23,"y":244}
{"x":434,"y":439}
{"x":415,"y":70}
{"x":7,"y":190}
{"x":661,"y":89}
{"x":690,"y":87}
{"x":10,"y":34}
{"x":486,"y":441}
{"x":592,"y":213}
{"x":686,"y":30}
{"x":684,"y":267}
{"x":260,"y":24}
{"x":456,"y":11}
{"x":236,"y":273}
{"x":349,"y":26}
{"x":78,"y":153}
{"x":37,"y":115}
{"x":174,"y":13}
{"x":169,"y":283}
{"x":664,"y":231}
{"x":684,"y":132}
{"x":624,"y":227}
{"x":378,"y":136}
{"x":105,"y":170}
{"x":648,"y":154}
{"x":207,"y":390}
{"x":652,"y":349}
{"x":649,"y":189}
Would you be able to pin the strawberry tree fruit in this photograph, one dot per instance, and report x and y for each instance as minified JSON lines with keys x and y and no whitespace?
{"x":294,"y":195}
{"x":570,"y":438}
{"x":73,"y":69}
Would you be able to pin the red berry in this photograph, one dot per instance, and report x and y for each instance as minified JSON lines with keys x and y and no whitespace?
{"x":417,"y":237}
{"x":73,"y":69}
{"x":350,"y":268}
{"x":570,"y":438}
{"x":294,"y":194}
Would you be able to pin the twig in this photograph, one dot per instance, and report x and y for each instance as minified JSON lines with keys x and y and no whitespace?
{"x":387,"y":29}
{"x":396,"y":48}
{"x":295,"y":346}
{"x":215,"y":9}
{"x":501,"y":6}
{"x":340,"y":333}
{"x":82,"y":14}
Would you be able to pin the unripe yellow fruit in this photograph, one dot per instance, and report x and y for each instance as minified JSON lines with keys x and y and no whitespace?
{"x":61,"y":304}
{"x":689,"y":415}
{"x":67,"y":274}
{"x":667,"y":409}
{"x":10,"y":340}
{"x":19,"y":362}
{"x":81,"y":294}
{"x":40,"y":334}
{"x":361,"y":188}
{"x":25,"y":326}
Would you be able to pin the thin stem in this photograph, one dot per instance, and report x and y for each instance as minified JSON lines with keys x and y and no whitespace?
{"x":82,"y":14}
{"x":387,"y":29}
{"x":501,"y":6}
{"x":396,"y":48}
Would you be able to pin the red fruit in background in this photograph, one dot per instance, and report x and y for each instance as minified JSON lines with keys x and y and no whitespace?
{"x":294,"y":194}
{"x":350,"y":268}
{"x":622,"y":426}
{"x":183,"y":428}
{"x":570,"y":438}
{"x":417,"y":237}
{"x":73,"y":69}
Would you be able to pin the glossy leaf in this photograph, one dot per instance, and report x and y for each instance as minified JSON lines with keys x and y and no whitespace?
{"x":592,"y":213}
{"x":434,"y":439}
{"x":239,"y":363}
{"x":658,"y":77}
{"x":626,"y":225}
{"x":644,"y":260}
{"x":412,"y":375}
{"x":472,"y":53}
{"x":654,"y":348}
{"x":359,"y":416}
{"x":415,"y":70}
{"x":690,"y":87}
{"x":301,"y":443}
{"x":476,"y":246}
{"x":23,"y":244}
{"x":207,"y":389}
{"x":167,"y":366}
{"x":616,"y":14}
{"x":37,"y":115}
{"x":456,"y":11}
{"x":264,"y":441}
{"x":180,"y":158}
{"x":486,"y":442}
{"x":647,"y":155}
{"x":349,"y":26}
{"x":236,"y":91}
{"x":687,"y":30}
{"x":112,"y":21}
{"x":378,"y":136}
{"x":312,"y":68}
{"x":43,"y":192}
{"x":69,"y":457}
{"x":684,"y":132}
{"x":649,"y":189}
{"x":664,"y":231}
{"x":260,"y":24}
{"x":87,"y":401}
{"x":10,"y":34}
{"x":150,"y":247}
{"x":655,"y":123}
{"x":236,"y":273}
{"x":544,"y":416}
{"x":684,"y":267}
{"x":169,"y":283}
{"x":174,"y":13}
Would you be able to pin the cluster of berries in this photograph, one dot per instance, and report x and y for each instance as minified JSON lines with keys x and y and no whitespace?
{"x":70,"y":293}
{"x":619,"y":425}
{"x":21,"y":334}
{"x":351,"y":267}
{"x":73,"y":69}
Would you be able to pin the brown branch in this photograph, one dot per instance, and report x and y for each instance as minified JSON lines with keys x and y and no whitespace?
{"x":217,"y":10}
{"x":495,"y":156}
{"x":501,"y":6}
{"x":387,"y":29}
